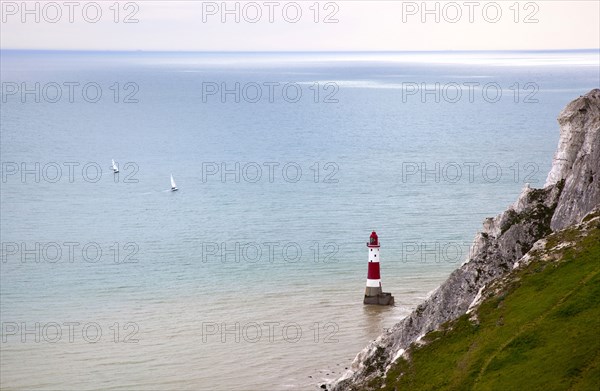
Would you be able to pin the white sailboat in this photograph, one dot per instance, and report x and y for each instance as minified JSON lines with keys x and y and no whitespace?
{"x":114,"y":166}
{"x":173,"y":185}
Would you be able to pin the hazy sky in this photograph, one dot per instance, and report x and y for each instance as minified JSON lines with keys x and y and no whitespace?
{"x":301,"y":26}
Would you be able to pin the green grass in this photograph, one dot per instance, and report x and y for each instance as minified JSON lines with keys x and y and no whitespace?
{"x":539,"y":331}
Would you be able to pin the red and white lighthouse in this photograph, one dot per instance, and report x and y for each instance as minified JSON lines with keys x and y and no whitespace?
{"x":373,"y":292}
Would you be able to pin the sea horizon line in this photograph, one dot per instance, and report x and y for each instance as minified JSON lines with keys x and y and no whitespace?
{"x":137,"y":51}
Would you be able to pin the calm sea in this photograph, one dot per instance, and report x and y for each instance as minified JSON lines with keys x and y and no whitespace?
{"x":251,"y":276}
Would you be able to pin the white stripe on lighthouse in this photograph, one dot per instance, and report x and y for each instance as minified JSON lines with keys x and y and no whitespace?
{"x":373,"y":254}
{"x":373,"y":283}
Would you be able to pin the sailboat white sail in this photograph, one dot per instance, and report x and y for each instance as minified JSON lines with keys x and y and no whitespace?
{"x":115,"y":168}
{"x":173,"y":185}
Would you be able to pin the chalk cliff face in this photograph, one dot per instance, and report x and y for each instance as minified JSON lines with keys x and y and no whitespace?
{"x":572,"y":190}
{"x":577,"y":159}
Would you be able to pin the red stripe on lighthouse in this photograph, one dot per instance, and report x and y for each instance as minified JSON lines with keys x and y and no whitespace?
{"x":373,"y":271}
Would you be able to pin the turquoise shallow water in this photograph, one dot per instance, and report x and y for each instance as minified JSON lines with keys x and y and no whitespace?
{"x":282,"y":310}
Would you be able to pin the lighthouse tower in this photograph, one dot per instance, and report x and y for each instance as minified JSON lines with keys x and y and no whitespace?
{"x":373,"y":292}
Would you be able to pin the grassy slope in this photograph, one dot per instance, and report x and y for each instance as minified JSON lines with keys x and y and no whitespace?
{"x":539,"y":331}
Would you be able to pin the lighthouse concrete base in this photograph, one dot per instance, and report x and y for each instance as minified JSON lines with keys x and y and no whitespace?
{"x":383,"y":298}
